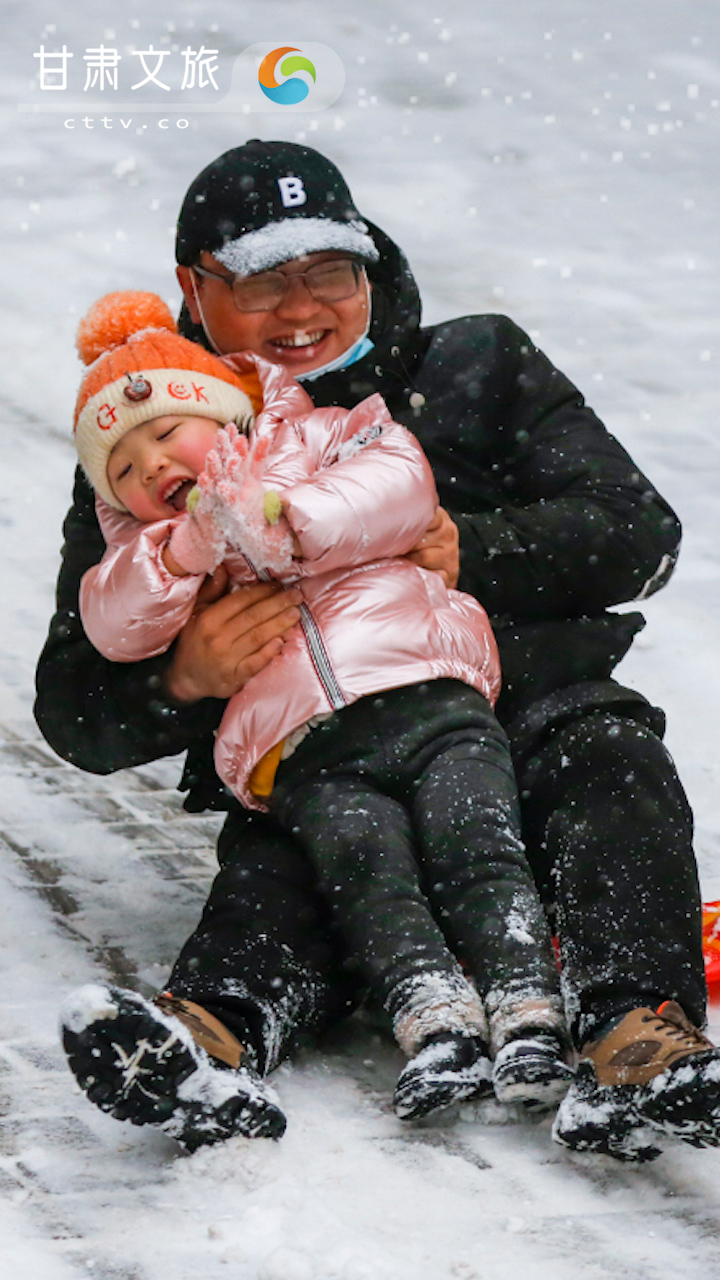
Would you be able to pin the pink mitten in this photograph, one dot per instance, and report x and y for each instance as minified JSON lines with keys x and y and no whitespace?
{"x":198,"y":543}
{"x":249,"y":515}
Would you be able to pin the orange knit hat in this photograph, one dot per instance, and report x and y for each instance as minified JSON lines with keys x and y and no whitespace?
{"x":140,"y":368}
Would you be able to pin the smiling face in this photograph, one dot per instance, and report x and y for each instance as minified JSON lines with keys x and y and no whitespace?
{"x":154,"y":466}
{"x":300,"y":333}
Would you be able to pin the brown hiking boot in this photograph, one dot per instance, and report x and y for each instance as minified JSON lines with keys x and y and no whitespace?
{"x":206,"y":1030}
{"x":653,"y":1072}
{"x":644,"y":1044}
{"x":146,"y":1062}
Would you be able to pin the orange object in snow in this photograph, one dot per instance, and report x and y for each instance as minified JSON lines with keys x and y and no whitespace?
{"x":711,"y":941}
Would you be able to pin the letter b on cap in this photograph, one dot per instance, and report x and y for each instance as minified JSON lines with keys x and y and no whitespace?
{"x":292,"y":191}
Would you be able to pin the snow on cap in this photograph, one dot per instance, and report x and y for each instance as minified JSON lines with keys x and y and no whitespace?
{"x":282,"y":241}
{"x":140,"y":368}
{"x":266,"y":203}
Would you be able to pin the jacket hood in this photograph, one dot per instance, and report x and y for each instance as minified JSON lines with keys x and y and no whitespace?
{"x":396,"y":300}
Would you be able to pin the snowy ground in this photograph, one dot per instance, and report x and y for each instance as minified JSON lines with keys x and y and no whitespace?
{"x":551,"y":159}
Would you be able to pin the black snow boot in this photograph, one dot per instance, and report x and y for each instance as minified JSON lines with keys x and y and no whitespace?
{"x":448,"y":1068}
{"x":533,"y":1070}
{"x":141,"y":1063}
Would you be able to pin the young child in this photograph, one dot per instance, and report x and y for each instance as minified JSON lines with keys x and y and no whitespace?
{"x":371,"y":734}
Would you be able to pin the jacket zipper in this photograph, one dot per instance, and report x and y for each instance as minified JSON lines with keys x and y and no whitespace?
{"x":320,"y":659}
{"x":316,"y":648}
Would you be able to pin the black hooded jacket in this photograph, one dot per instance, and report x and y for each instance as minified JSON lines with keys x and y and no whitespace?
{"x":556,"y":526}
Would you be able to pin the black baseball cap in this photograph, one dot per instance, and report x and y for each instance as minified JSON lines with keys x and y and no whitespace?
{"x":265,"y":203}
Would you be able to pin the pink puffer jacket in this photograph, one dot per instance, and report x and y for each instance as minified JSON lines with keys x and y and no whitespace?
{"x":359,"y":494}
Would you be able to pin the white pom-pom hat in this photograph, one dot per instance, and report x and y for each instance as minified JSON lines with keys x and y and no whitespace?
{"x":140,"y":368}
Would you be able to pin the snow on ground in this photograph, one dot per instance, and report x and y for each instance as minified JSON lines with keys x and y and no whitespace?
{"x":557,"y":161}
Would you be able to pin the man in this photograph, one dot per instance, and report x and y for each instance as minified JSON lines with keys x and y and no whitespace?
{"x":547,"y":521}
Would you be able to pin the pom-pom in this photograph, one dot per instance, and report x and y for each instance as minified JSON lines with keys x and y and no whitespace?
{"x":112,"y":320}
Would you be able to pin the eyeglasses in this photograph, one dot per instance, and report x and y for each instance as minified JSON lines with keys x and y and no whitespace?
{"x":325,"y":282}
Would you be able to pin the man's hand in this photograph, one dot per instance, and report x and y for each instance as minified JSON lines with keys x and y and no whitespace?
{"x":229,"y":638}
{"x":439,"y":548}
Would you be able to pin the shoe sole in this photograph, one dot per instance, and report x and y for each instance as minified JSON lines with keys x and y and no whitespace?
{"x":626,"y":1121}
{"x":536,"y":1083}
{"x":600,"y":1121}
{"x":684,"y":1102}
{"x":428,"y":1084}
{"x":435,"y":1097}
{"x":540,"y":1095}
{"x":137,"y":1064}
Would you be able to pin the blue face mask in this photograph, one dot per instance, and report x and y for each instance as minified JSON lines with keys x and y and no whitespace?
{"x":354,"y":353}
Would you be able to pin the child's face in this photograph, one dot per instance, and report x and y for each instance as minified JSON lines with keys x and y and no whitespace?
{"x":152,"y":469}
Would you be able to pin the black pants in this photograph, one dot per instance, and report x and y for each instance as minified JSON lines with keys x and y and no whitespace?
{"x":608,"y":834}
{"x":406,"y":805}
{"x":610,"y":831}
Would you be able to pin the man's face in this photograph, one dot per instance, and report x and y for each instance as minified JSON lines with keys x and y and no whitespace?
{"x":300,"y":333}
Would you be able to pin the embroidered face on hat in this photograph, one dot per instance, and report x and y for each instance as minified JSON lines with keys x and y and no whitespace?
{"x":140,"y":368}
{"x":266,"y":203}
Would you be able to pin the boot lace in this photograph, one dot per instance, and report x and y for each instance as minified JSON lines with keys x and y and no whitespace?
{"x":673,"y":1024}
